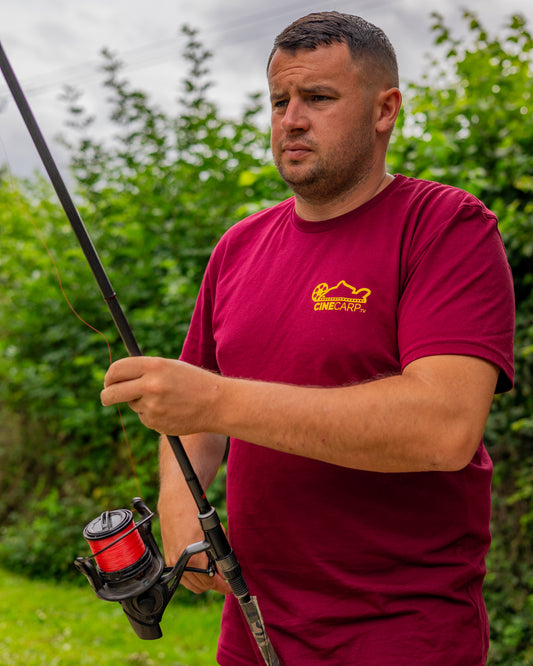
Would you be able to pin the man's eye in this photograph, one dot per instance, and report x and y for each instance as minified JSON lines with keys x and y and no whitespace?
{"x":279,"y":104}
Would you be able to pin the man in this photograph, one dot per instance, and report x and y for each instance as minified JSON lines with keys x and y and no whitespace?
{"x":349,"y":341}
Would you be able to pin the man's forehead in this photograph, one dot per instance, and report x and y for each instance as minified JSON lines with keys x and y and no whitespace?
{"x":323,"y":63}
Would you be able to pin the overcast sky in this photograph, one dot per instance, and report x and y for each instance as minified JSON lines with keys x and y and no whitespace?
{"x":51,"y":43}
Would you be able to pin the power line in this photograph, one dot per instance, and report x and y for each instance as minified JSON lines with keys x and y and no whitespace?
{"x":165,"y":50}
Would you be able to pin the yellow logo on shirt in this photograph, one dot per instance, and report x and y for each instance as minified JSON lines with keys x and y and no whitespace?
{"x":340,"y":297}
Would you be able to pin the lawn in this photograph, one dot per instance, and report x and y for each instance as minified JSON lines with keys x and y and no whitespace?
{"x":48,"y":624}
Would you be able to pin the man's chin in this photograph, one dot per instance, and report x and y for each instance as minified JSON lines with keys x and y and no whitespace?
{"x":297,"y":176}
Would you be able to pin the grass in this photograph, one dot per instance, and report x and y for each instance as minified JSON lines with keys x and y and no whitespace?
{"x":44,"y":623}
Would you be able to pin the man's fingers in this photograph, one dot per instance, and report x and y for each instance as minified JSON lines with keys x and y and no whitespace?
{"x":199,"y":583}
{"x":125,"y":391}
{"x":220,"y":585}
{"x":194,"y":583}
{"x":124,"y":369}
{"x":135,"y":405}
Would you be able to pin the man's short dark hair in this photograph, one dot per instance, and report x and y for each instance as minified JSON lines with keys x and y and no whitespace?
{"x":365,"y":40}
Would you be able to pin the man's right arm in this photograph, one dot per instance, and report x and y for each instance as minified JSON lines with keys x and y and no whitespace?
{"x":177,"y":509}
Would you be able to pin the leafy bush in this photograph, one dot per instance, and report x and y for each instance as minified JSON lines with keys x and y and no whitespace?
{"x":44,"y":541}
{"x":470,"y":125}
{"x":156,"y":197}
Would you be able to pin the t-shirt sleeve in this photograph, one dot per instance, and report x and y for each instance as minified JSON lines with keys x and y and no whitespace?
{"x":457,"y":295}
{"x":199,"y":347}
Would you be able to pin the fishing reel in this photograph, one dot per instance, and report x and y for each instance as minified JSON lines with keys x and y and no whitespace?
{"x":130,"y":568}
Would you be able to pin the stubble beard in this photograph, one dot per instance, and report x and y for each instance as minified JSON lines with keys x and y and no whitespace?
{"x":332,"y":176}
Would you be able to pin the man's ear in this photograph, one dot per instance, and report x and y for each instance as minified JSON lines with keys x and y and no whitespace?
{"x":389,"y":103}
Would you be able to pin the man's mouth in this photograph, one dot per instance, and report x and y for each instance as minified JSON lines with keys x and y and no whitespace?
{"x":295,"y":151}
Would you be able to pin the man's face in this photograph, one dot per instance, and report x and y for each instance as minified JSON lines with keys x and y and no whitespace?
{"x":323,"y":138}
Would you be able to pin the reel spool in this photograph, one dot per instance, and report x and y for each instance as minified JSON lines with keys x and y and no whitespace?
{"x":117,"y":546}
{"x":130,"y":568}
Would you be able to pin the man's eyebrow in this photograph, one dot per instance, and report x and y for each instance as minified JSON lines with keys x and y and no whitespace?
{"x":276,"y":95}
{"x":318,"y":89}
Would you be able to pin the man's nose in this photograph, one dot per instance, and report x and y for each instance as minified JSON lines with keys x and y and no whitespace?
{"x":295,"y":117}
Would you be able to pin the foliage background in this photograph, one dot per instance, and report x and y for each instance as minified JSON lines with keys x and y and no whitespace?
{"x":469,"y":124}
{"x":156,"y":197}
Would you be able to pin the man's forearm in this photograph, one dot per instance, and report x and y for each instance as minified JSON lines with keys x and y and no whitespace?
{"x":178,"y":511}
{"x":205,"y":452}
{"x":429,"y":418}
{"x":176,"y":506}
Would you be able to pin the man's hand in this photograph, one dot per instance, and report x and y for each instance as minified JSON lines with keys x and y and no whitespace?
{"x":171,"y":397}
{"x":179,"y":531}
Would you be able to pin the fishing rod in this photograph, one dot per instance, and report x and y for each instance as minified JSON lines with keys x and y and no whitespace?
{"x":129,"y":565}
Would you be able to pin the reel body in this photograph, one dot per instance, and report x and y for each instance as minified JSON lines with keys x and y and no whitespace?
{"x":130,"y":568}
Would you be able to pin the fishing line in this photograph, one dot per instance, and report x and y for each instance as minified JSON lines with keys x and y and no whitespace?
{"x":27,"y":215}
{"x":115,"y":541}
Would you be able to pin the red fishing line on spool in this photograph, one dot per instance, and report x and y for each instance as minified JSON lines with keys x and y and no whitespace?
{"x":110,"y":527}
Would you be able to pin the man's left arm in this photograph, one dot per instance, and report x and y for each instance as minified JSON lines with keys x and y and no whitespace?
{"x":428,"y":418}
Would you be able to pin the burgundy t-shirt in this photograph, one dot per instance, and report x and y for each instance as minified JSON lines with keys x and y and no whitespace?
{"x":355,"y":567}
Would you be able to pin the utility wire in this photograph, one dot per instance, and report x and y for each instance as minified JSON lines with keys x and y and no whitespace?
{"x":167,"y":50}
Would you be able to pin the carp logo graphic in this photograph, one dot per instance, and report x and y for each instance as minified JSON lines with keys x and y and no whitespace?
{"x":340,"y":297}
